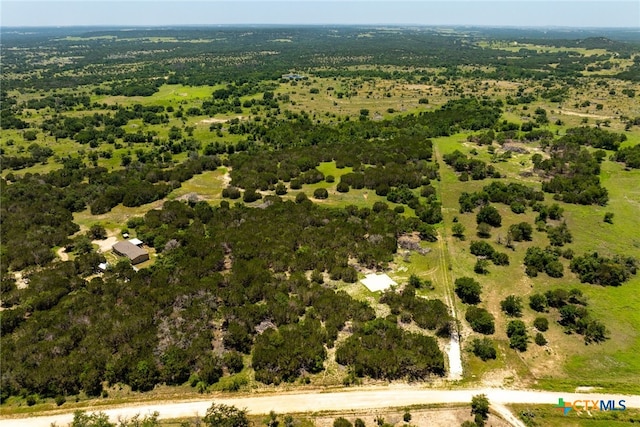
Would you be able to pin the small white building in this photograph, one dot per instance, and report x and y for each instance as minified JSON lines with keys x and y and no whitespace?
{"x":136,"y":241}
{"x":378,"y":282}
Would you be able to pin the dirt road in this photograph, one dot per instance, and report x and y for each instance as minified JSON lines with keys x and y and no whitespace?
{"x":356,"y":399}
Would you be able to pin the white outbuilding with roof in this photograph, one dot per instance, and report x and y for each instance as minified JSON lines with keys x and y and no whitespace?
{"x":377,"y":282}
{"x":136,"y":241}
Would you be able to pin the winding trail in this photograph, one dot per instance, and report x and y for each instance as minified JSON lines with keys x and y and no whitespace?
{"x":371,"y":398}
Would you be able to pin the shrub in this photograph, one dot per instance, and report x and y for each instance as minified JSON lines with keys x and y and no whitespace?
{"x":481,"y":248}
{"x":481,"y":266}
{"x":295,"y":184}
{"x":517,"y":333}
{"x":458,"y":230}
{"x":521,"y":231}
{"x":480,"y":320}
{"x":468,"y":290}
{"x":538,"y":302}
{"x":484,"y":230}
{"x":489,"y":215}
{"x":540,"y":339}
{"x":342,"y":187}
{"x":500,"y":258}
{"x":251,"y":195}
{"x":230,"y":193}
{"x":281,"y":189}
{"x":480,"y":408}
{"x":320,"y":193}
{"x":342,"y":422}
{"x":301,"y":197}
{"x":512,"y":306}
{"x":483,"y":348}
{"x":541,"y":324}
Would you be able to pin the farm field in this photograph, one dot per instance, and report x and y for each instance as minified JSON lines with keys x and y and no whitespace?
{"x":497,"y":184}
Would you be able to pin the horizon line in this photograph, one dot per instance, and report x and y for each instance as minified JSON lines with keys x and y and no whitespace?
{"x":248,"y":24}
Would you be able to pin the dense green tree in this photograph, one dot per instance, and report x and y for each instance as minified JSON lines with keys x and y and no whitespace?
{"x":489,"y":215}
{"x":320,"y":193}
{"x":468,"y":290}
{"x":221,"y":415}
{"x":541,"y":324}
{"x":512,"y":306}
{"x":480,"y":320}
{"x":480,"y":407}
{"x":538,"y":302}
{"x":483,"y":348}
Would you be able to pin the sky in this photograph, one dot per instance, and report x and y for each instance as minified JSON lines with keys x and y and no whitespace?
{"x":512,"y":13}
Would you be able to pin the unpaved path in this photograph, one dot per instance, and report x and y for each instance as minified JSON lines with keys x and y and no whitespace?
{"x":507,"y":415}
{"x":453,"y":348}
{"x":356,"y":399}
{"x":64,"y":256}
{"x":592,"y":116}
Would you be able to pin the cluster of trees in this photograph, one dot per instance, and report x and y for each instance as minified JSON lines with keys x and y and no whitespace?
{"x":217,"y":415}
{"x":9,"y":113}
{"x":468,"y":290}
{"x":154,"y":326}
{"x":381,"y":349}
{"x":35,"y":220}
{"x":427,"y":313}
{"x":546,"y":260}
{"x":404,"y":160}
{"x":521,"y":231}
{"x":513,"y":194}
{"x":483,"y":348}
{"x":630,"y":156}
{"x":135,"y":87}
{"x":480,"y":320}
{"x":517,"y":334}
{"x":595,"y":137}
{"x":574,"y":316}
{"x":469,"y":167}
{"x":575,"y":173}
{"x":58,"y":102}
{"x":37,"y":154}
{"x":484,"y":250}
{"x":593,"y":268}
{"x":516,"y":195}
{"x":285,"y":353}
{"x":559,"y":235}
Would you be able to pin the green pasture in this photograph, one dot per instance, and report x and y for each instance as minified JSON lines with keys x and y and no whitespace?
{"x":567,"y":362}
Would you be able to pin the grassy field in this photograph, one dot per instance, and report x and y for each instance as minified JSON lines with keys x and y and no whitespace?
{"x":565,"y":362}
{"x":548,"y":416}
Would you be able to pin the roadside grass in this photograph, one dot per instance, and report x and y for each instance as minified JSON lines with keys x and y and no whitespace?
{"x":549,"y":415}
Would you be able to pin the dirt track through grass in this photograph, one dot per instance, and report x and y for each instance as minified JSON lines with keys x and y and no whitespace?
{"x":453,"y":350}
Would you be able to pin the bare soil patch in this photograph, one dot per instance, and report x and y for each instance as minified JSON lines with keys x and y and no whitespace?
{"x":62,"y":254}
{"x":106,"y":244}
